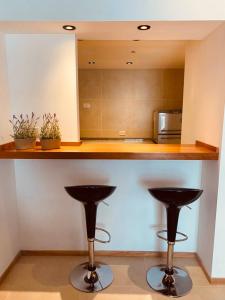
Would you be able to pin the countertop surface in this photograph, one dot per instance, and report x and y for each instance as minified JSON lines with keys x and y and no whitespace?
{"x":132,"y":151}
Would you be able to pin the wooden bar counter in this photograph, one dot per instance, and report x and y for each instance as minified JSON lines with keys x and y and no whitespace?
{"x":131,"y":151}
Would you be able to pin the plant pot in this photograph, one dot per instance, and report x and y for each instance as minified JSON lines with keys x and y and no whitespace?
{"x":48,"y":144}
{"x":23,"y":144}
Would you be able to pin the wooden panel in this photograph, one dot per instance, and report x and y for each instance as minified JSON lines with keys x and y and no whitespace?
{"x":212,"y":280}
{"x":65,"y":143}
{"x":217,"y":281}
{"x":200,"y":151}
{"x":106,"y":253}
{"x":210,"y":147}
{"x":7,"y":146}
{"x":203,"y":268}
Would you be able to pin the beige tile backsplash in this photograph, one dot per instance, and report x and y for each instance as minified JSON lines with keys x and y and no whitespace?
{"x":124,"y":100}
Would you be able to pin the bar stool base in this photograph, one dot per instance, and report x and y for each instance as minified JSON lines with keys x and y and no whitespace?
{"x":181,"y":286}
{"x":103,"y":277}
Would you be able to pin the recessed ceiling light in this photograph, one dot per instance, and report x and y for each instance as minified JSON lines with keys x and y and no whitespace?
{"x":129,"y":63}
{"x":69,"y":27}
{"x":144,"y":27}
{"x":91,"y":62}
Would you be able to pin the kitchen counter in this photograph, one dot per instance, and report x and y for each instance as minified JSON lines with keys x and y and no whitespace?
{"x":117,"y":141}
{"x":131,"y":151}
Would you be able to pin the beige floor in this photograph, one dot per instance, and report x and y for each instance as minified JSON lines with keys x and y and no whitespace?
{"x":46,"y":278}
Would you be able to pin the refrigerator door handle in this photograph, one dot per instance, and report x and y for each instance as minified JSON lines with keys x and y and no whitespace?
{"x":170,"y":130}
{"x":162,"y":123}
{"x":169,"y":137}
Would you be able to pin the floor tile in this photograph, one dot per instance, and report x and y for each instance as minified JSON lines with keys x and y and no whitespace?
{"x":33,"y":296}
{"x":126,"y":270}
{"x":3,"y":295}
{"x":119,"y":293}
{"x":47,"y":278}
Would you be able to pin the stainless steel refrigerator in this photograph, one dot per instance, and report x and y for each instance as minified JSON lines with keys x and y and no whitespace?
{"x":167,"y":126}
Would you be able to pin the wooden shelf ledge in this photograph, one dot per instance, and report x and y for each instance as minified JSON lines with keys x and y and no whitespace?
{"x":135,"y":151}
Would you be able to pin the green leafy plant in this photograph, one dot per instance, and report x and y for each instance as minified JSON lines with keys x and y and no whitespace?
{"x":24,"y":127}
{"x":50,"y":128}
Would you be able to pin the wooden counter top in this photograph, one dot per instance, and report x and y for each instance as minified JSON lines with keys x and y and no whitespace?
{"x":198,"y":151}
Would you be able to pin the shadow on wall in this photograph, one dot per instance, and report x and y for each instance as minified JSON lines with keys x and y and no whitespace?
{"x":160,"y":211}
{"x":91,"y":179}
{"x":146,"y":183}
{"x":85,"y":178}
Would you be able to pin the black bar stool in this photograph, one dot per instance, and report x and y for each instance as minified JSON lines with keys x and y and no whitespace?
{"x":91,"y":276}
{"x":167,"y":279}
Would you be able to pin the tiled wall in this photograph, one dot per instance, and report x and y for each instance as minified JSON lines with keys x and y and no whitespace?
{"x":124,"y":100}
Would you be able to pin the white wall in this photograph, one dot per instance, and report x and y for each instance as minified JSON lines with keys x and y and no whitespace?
{"x":102,"y":10}
{"x":9,"y":240}
{"x":4,"y":95}
{"x":218,"y":268}
{"x":204,"y":89}
{"x":203,"y":115}
{"x":43,"y":78}
{"x":9,"y":233}
{"x":51,"y":219}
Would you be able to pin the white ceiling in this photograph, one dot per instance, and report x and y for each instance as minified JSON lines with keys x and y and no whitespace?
{"x":160,"y":47}
{"x":115,"y":54}
{"x":161,"y":30}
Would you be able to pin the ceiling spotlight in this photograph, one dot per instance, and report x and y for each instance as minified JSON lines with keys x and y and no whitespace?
{"x":129,"y":63}
{"x":144,"y":27}
{"x":69,"y":27}
{"x":91,"y":62}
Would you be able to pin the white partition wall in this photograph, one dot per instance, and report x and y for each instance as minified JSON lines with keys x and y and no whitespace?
{"x":9,"y":233}
{"x":37,"y":73}
{"x":203,"y":109}
{"x":50,"y":219}
{"x":204,"y":89}
{"x":42,"y":73}
{"x":43,"y":78}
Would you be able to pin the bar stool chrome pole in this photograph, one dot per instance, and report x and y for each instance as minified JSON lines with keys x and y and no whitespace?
{"x":91,"y":276}
{"x":168,"y":279}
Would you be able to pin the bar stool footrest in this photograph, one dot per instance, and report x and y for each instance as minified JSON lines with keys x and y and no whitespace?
{"x":106,"y":232}
{"x":184,"y":236}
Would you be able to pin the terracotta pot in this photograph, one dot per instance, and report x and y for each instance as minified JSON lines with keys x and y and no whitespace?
{"x":48,"y":144}
{"x":23,"y":144}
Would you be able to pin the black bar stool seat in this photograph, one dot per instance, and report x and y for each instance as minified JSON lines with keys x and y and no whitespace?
{"x":167,"y":279}
{"x":175,"y":196}
{"x":91,"y":276}
{"x":90,"y":193}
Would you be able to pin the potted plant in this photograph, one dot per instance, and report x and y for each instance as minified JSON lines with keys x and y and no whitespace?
{"x":24,"y":131}
{"x":50,"y":136}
